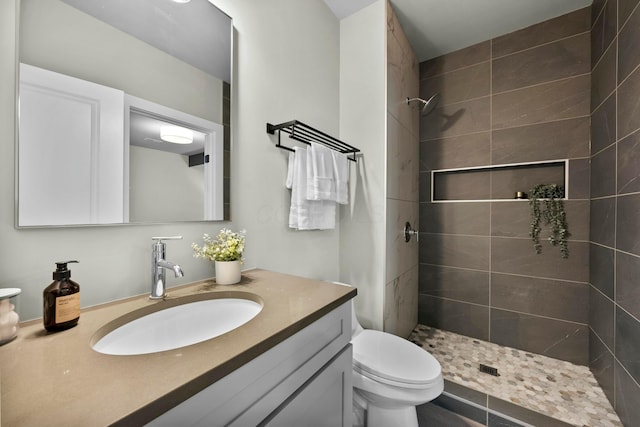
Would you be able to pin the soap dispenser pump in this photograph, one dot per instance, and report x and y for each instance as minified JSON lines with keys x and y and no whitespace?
{"x":61,"y":300}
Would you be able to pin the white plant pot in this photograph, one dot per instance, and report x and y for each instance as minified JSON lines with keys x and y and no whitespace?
{"x":227,"y":272}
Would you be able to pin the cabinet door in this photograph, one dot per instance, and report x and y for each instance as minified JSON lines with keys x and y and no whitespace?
{"x":323,"y":401}
{"x":255,"y":392}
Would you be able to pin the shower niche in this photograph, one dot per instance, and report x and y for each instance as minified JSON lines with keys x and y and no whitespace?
{"x":496,"y":182}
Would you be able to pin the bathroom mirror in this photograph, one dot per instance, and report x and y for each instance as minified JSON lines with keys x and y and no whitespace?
{"x":104,"y":86}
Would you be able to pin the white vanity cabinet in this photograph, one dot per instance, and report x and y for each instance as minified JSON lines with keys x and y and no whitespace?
{"x":303,"y":381}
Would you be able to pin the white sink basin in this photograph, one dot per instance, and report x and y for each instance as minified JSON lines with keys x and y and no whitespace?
{"x":177,"y":326}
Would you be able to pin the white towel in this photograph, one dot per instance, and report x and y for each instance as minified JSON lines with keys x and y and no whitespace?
{"x":306,"y":214}
{"x":341,"y":177}
{"x":321,"y":184}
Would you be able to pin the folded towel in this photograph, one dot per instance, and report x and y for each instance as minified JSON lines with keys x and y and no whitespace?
{"x":306,"y":214}
{"x":321,"y":184}
{"x":341,"y":177}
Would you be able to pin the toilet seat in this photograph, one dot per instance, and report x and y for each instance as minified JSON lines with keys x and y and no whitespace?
{"x":394,"y":361}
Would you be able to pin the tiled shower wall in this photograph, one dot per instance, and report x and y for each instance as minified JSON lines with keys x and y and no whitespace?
{"x":614,"y":315}
{"x":522,"y":97}
{"x":401,"y":277}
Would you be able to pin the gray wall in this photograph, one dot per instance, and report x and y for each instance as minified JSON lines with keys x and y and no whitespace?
{"x":522,"y":97}
{"x":163,"y":187}
{"x":614,"y":315}
{"x":115,"y":260}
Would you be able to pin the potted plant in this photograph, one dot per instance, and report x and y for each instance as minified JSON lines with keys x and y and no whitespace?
{"x":549,"y":197}
{"x":226,"y":251}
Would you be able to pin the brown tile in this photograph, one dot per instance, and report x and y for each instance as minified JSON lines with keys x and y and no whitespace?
{"x":456,"y":406}
{"x":557,"y":100}
{"x":628,"y":223}
{"x":596,"y":8}
{"x":455,"y":218}
{"x":506,"y":181}
{"x":628,"y":164}
{"x":627,"y":289}
{"x":510,"y":219}
{"x":553,"y":338}
{"x":603,"y":173}
{"x":545,"y":141}
{"x":455,"y":152}
{"x":459,"y":317}
{"x":601,"y":267}
{"x":603,"y":77}
{"x":455,"y":283}
{"x":460,"y":85}
{"x":579,"y":179}
{"x":625,"y":7}
{"x":452,"y":61}
{"x":465,"y":393}
{"x":601,"y":364}
{"x":494,"y":420}
{"x":513,"y":219}
{"x":627,"y":396}
{"x":544,"y":32}
{"x":455,"y":251}
{"x":543,"y":297}
{"x":462,"y":185}
{"x":518,"y":256}
{"x":628,"y":49}
{"x":553,"y":61}
{"x":601,"y":316}
{"x":603,"y":125}
{"x":603,"y":217}
{"x":628,"y":342}
{"x":603,"y":31}
{"x":629,"y":105}
{"x":436,"y":416}
{"x":425,"y":187}
{"x":578,"y":216}
{"x":524,"y":414}
{"x":456,"y":119}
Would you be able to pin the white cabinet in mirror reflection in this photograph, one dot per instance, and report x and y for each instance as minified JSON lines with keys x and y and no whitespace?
{"x":91,"y":154}
{"x":71,"y":152}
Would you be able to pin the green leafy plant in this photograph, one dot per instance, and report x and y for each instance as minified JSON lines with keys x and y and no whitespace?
{"x":227,"y":246}
{"x":545,"y":201}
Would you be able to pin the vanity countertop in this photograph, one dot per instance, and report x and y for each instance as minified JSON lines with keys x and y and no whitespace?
{"x":57,"y":379}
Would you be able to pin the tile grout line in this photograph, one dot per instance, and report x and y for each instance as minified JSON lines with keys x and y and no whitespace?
{"x":615,"y":208}
{"x":588,"y":31}
{"x":427,"y":140}
{"x":573,"y":282}
{"x":542,"y":316}
{"x":490,"y":180}
{"x":574,"y":76}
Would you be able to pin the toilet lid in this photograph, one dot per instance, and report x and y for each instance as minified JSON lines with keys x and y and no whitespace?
{"x":390,"y":357}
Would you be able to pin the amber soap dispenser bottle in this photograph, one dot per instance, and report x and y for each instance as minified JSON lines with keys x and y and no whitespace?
{"x":61,"y":300}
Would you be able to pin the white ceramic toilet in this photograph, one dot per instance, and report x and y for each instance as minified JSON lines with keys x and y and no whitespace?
{"x":391,"y":376}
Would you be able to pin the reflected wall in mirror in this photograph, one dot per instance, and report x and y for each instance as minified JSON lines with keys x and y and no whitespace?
{"x":100,"y":81}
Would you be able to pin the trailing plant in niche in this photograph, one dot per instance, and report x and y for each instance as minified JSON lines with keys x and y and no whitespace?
{"x":545,"y":201}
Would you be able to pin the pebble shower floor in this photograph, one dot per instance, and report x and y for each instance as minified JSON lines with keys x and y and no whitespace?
{"x":552,"y":387}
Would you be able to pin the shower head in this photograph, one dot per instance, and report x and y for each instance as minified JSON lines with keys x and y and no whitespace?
{"x":428,"y":105}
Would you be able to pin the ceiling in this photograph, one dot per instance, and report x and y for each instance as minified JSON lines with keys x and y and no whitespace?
{"x":169,"y":26}
{"x":436,"y":27}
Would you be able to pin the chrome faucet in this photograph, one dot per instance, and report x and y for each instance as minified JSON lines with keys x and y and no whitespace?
{"x":158,"y":266}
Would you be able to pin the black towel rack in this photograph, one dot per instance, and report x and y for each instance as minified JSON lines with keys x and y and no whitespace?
{"x":306,"y":134}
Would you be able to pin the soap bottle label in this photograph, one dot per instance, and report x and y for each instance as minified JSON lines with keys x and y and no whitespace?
{"x":67,"y":308}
